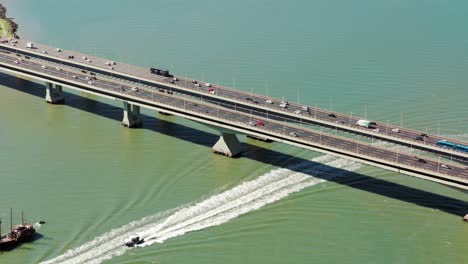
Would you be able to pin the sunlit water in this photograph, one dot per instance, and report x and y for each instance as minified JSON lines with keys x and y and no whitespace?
{"x":97,"y":183}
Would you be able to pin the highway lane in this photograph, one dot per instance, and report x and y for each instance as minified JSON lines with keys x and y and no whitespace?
{"x":255,"y":101}
{"x":303,"y":135}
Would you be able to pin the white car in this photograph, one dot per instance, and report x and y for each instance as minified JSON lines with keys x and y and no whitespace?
{"x":44,"y":67}
{"x":293,"y":134}
{"x":445,"y":166}
{"x":58,"y":68}
{"x":252,"y":123}
{"x":16,"y":61}
{"x":197,"y":85}
{"x":135,"y":89}
{"x":108,"y":63}
{"x":175,"y":79}
{"x":45,"y":51}
{"x":376,"y":130}
{"x":283,"y":105}
{"x":305,"y":108}
{"x":59,"y":50}
{"x":90,"y":83}
{"x":396,"y":130}
{"x":74,"y":77}
{"x":269,"y":101}
{"x":87,"y":78}
{"x":84,"y":58}
{"x":208,"y":84}
{"x":297,"y":112}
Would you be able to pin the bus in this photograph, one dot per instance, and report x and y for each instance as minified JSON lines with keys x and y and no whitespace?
{"x":450,"y":145}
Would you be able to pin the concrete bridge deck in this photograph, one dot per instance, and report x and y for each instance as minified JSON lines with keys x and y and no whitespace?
{"x":230,"y":120}
{"x":240,"y":100}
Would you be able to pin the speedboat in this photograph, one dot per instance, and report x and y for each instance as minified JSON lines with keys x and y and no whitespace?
{"x":134,"y":241}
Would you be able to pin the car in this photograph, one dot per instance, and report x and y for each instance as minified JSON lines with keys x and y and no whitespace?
{"x":90,"y":83}
{"x":197,"y":85}
{"x":175,"y":79}
{"x":27,"y":57}
{"x":208,"y":84}
{"x":422,"y":160}
{"x":211,"y":91}
{"x":283,"y":105}
{"x":419,"y":138}
{"x":424,"y":135}
{"x":58,"y":50}
{"x":16,"y":61}
{"x":269,"y":101}
{"x":293,"y":134}
{"x":74,"y":77}
{"x":297,"y":112}
{"x":44,"y":51}
{"x":252,"y":123}
{"x":332,"y":115}
{"x":58,"y":68}
{"x":87,"y":78}
{"x":83,"y":71}
{"x":161,"y":90}
{"x":135,"y":89}
{"x":71,"y":57}
{"x":396,"y":130}
{"x":122,"y":88}
{"x":248,"y":99}
{"x":92,"y":73}
{"x":194,"y":81}
{"x":376,"y":130}
{"x":44,"y":67}
{"x":108,"y":63}
{"x":84,"y":58}
{"x":305,"y":108}
{"x":172,"y":82}
{"x":260,"y":123}
{"x":445,"y":166}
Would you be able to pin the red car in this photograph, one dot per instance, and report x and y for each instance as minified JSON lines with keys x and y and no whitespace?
{"x":260,"y":123}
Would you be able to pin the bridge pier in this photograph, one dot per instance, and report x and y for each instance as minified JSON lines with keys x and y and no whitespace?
{"x":227,"y":145}
{"x":54,"y":93}
{"x":131,"y":115}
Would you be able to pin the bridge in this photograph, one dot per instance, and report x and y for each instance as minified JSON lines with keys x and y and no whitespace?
{"x":229,"y":111}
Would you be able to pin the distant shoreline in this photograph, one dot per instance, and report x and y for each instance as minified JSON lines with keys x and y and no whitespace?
{"x":11,"y":26}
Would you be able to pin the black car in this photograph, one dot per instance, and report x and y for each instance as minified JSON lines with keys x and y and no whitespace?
{"x":83,"y":71}
{"x":332,"y":115}
{"x":422,"y":160}
{"x":419,"y":138}
{"x":424,"y":135}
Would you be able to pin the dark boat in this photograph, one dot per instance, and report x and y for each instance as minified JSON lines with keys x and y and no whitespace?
{"x":18,"y":234}
{"x":133,"y":242}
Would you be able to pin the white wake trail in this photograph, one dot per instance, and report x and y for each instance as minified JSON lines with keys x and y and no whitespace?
{"x":216,"y":210}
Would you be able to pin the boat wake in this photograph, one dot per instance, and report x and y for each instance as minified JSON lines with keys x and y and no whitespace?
{"x":213,"y":211}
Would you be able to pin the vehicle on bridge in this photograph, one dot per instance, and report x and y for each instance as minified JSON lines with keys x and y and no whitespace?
{"x":450,"y":145}
{"x":160,"y":72}
{"x":365,"y":123}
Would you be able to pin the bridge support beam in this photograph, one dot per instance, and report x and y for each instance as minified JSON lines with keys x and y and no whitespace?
{"x":227,"y":145}
{"x":131,"y":115}
{"x":54,"y":93}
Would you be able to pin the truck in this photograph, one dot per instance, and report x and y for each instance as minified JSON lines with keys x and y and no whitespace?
{"x":365,"y":123}
{"x":30,"y":45}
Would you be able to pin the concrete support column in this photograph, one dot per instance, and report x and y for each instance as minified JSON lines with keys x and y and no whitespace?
{"x":131,"y":115}
{"x":228,"y":145}
{"x":54,"y":94}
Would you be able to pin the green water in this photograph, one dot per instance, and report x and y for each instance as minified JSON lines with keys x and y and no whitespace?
{"x":76,"y":167}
